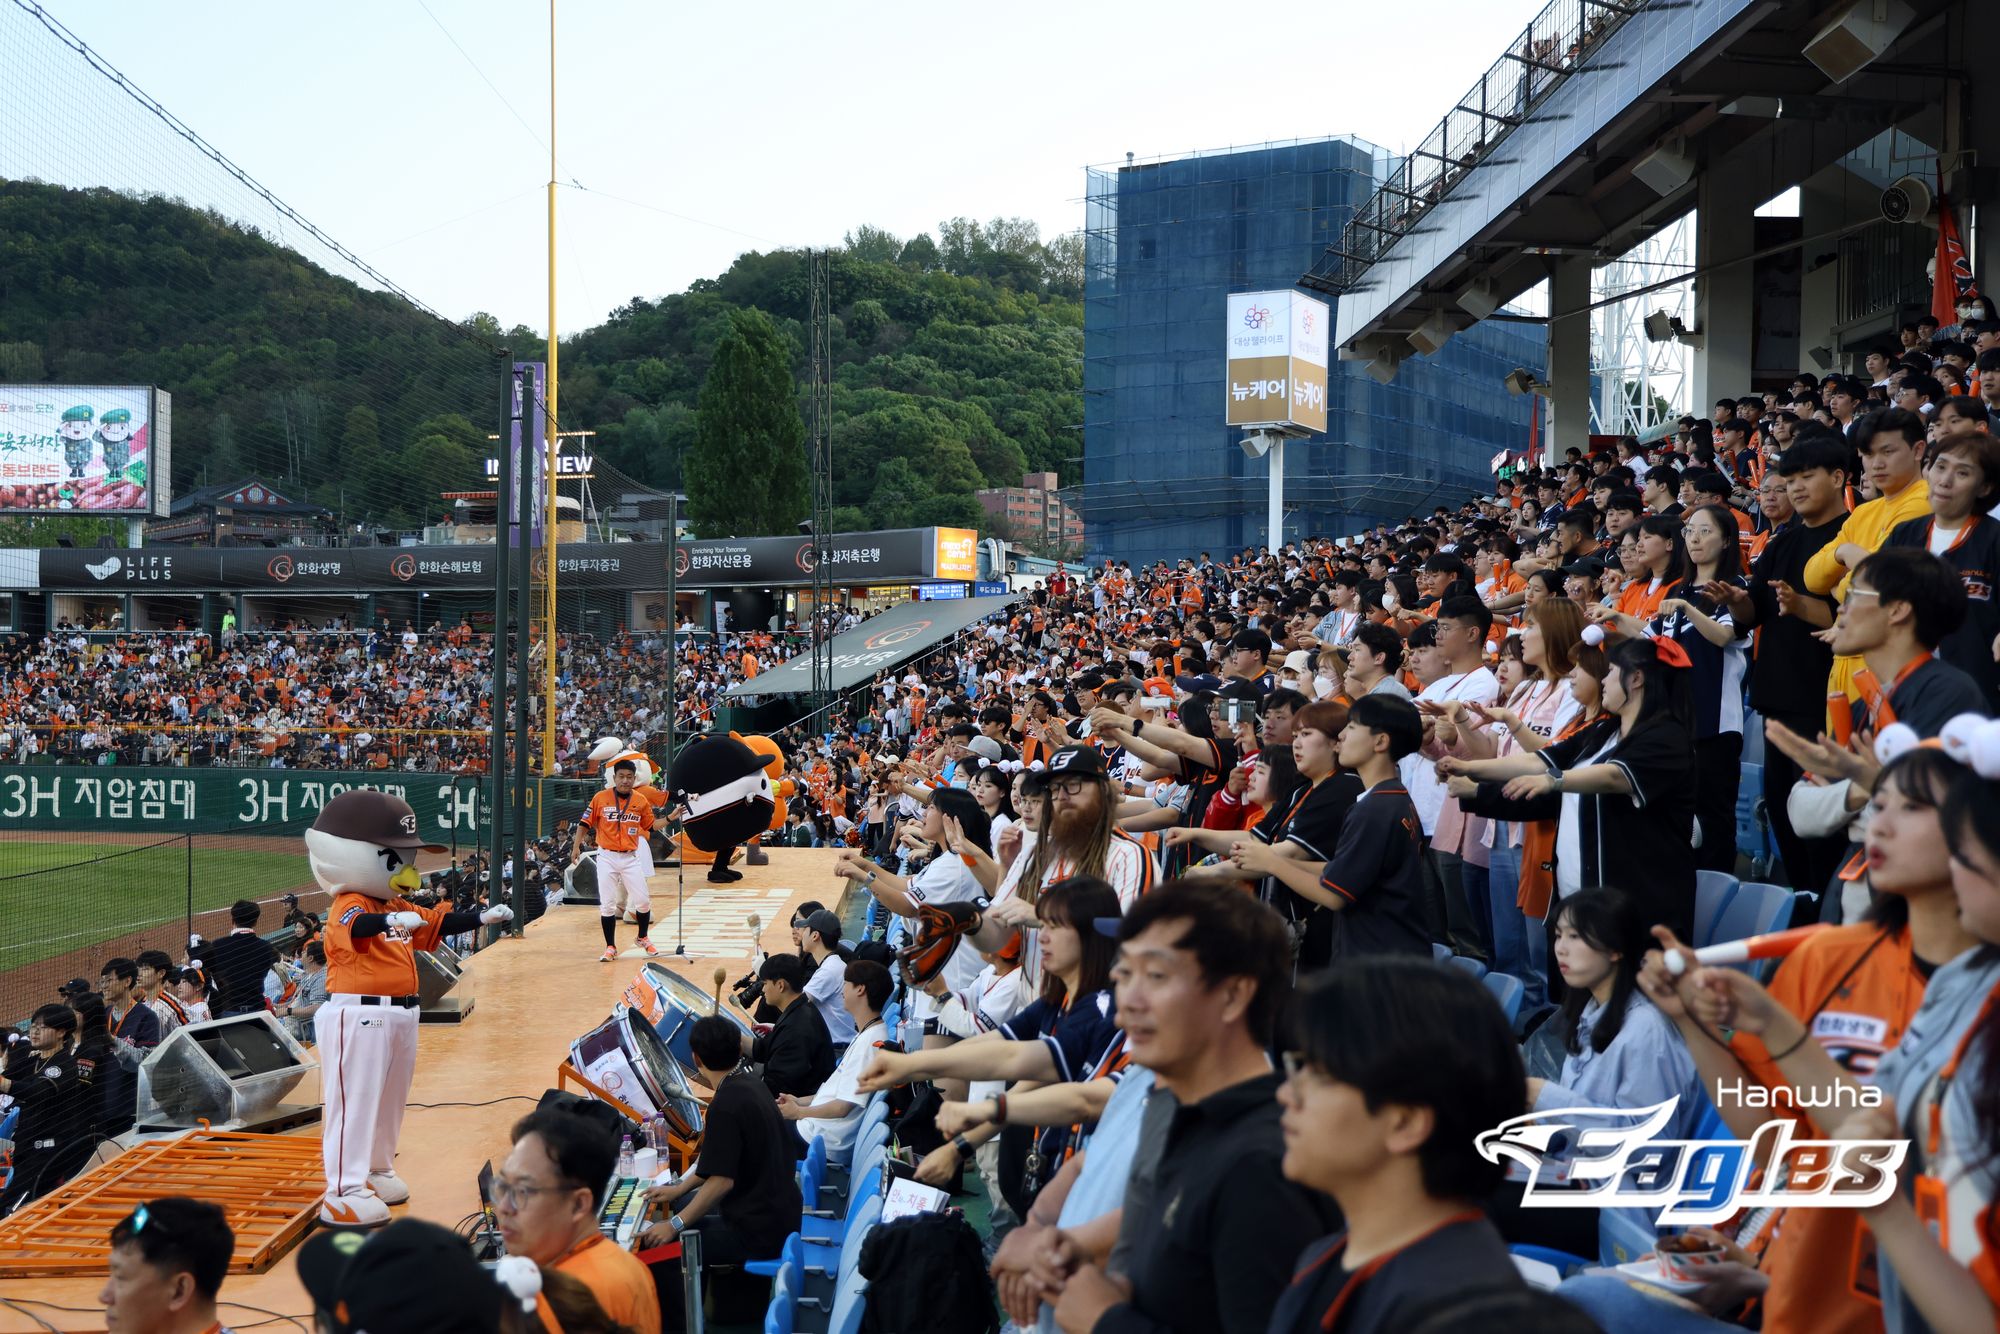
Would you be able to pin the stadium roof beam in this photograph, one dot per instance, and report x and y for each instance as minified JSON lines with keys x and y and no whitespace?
{"x":1561,"y":175}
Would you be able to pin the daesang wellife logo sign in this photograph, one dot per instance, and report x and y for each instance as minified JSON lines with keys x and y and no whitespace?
{"x":1606,"y":1157}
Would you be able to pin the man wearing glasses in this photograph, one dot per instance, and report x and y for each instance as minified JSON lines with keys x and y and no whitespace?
{"x":55,"y":1104}
{"x":547,"y":1195}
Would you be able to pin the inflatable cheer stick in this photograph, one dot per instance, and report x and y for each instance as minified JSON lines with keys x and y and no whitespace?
{"x":1776,"y":945}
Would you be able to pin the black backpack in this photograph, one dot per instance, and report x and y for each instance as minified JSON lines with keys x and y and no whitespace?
{"x":927,"y":1275}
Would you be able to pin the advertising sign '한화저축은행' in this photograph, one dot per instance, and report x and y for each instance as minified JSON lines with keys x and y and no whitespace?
{"x":100,"y":449}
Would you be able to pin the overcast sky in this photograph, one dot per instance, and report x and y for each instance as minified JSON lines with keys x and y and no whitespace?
{"x":726,"y":127}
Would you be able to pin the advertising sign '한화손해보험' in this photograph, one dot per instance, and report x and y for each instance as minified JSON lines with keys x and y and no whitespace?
{"x":98,"y":449}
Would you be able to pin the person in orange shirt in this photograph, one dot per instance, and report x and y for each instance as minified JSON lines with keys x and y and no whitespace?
{"x":546,"y":1196}
{"x":621,"y":819}
{"x":362,"y":850}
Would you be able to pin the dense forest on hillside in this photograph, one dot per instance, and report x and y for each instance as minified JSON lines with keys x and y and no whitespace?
{"x":958,"y":358}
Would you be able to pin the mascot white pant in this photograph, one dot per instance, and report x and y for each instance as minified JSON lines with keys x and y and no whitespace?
{"x":368,"y":1056}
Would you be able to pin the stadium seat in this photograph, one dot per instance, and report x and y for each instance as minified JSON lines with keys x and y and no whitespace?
{"x":1755,"y":909}
{"x":1440,"y":952}
{"x":1564,"y":1263}
{"x":1713,"y":891}
{"x":823,"y":1239}
{"x":850,"y":1301}
{"x":850,"y":1247}
{"x":1508,"y":990}
{"x":1473,"y":966}
{"x":781,"y":1314}
{"x":1755,"y":842}
{"x":812,"y":1173}
{"x":793,"y":1253}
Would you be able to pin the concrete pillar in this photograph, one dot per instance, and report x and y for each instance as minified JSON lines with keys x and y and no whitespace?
{"x":1977,"y":126}
{"x":1821,"y":210}
{"x":1569,"y":356}
{"x":1724,"y":299}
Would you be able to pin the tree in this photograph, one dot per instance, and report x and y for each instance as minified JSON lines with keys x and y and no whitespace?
{"x":746,"y":474}
{"x":872,"y":244}
{"x":919,"y":252}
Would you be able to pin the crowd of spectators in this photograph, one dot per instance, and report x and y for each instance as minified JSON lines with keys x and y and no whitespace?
{"x":1233,"y":899}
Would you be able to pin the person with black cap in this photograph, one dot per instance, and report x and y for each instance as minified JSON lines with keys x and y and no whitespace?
{"x":56,"y":1105}
{"x":167,"y":1262}
{"x":412,"y":1277}
{"x":797,"y":1052}
{"x":820,"y":939}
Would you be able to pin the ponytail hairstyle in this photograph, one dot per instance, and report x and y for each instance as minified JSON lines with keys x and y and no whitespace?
{"x":1663,"y":666}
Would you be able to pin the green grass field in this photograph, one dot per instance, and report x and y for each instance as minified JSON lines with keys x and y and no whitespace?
{"x":60,"y":897}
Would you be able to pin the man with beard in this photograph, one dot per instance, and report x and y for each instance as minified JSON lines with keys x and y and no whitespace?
{"x":1083,"y":839}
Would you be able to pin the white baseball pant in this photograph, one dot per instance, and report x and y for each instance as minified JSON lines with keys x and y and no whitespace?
{"x":622,"y":876}
{"x":367,"y":1058}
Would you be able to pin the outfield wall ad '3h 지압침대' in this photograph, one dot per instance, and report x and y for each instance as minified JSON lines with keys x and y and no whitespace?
{"x":95,"y":449}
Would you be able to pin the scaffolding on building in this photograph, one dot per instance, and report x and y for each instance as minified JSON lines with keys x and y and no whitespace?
{"x":1165,"y":241}
{"x":1643,"y":381}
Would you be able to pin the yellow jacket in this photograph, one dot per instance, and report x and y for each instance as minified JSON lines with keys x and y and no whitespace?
{"x":1868,"y":526}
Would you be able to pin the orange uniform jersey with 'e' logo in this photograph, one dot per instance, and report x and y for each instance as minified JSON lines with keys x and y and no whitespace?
{"x":379,"y":965}
{"x":619,"y":822}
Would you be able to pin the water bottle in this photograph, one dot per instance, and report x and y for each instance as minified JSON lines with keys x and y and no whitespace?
{"x":627,"y":1166}
{"x":653,"y":1140}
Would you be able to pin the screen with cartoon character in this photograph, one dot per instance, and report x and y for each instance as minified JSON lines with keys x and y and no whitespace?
{"x":96,"y":448}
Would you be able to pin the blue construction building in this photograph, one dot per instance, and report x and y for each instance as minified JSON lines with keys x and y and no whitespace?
{"x":1165,"y":243}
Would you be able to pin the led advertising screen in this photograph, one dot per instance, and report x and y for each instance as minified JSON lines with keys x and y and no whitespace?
{"x":98,"y":449}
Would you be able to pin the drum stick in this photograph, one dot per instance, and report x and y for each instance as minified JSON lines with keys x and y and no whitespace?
{"x":721,"y":976}
{"x":1775,"y":945}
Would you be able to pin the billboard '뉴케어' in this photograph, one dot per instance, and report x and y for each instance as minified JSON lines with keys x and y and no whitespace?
{"x":99,"y":449}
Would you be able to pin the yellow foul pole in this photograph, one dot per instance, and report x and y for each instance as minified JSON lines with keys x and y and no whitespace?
{"x":554,"y":445}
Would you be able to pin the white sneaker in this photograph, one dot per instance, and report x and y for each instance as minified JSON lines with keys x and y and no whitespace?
{"x":353,"y":1211}
{"x":388,"y":1187}
{"x":610,"y":953}
{"x":652,"y":950}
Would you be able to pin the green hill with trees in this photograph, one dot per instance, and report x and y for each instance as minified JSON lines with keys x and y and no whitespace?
{"x":957,"y":360}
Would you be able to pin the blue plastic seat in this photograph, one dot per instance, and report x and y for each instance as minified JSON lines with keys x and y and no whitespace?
{"x":824,"y":1237}
{"x":793,"y":1253}
{"x":850,"y":1302}
{"x":780,"y":1317}
{"x":1440,"y":952}
{"x":866,"y":1216}
{"x":1755,"y":910}
{"x":1473,"y":966}
{"x":1565,"y":1263}
{"x":1713,"y":892}
{"x":1508,"y":990}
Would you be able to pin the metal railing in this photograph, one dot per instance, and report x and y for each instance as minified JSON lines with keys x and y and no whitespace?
{"x":1552,"y":48}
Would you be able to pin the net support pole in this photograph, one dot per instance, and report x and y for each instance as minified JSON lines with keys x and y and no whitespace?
{"x":524,"y":493}
{"x":496,"y":760}
{"x":553,"y":444}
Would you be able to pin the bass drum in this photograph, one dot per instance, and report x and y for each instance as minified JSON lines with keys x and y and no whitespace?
{"x":627,"y":1059}
{"x":671,"y":1004}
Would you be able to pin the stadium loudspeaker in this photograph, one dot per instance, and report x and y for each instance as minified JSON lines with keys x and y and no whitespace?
{"x":1659,"y":327}
{"x":1433,"y":333}
{"x":1860,"y":33}
{"x":224,"y":1072}
{"x":1479,"y":300}
{"x":1665,"y":169}
{"x":1383,"y":368}
{"x":440,"y":972}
